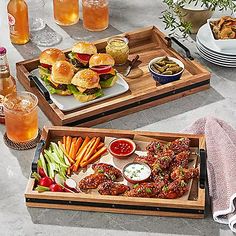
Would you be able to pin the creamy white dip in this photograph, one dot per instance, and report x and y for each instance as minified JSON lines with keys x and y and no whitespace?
{"x":137,"y":171}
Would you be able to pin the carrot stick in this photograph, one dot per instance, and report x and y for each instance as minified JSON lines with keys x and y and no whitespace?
{"x":74,"y":168}
{"x":72,"y":149}
{"x":86,"y":140}
{"x":64,"y":140}
{"x":92,"y":149}
{"x":68,"y":143}
{"x":68,"y":171}
{"x":93,"y":140}
{"x":100,"y":145}
{"x":62,"y":147}
{"x":81,"y":155}
{"x":78,"y":143}
{"x":94,"y":157}
{"x":74,"y":139}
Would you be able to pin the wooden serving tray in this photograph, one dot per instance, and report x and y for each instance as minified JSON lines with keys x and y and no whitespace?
{"x":144,"y":92}
{"x":193,"y":207}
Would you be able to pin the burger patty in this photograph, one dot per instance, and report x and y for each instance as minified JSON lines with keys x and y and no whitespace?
{"x":62,"y":87}
{"x":91,"y":91}
{"x":77,"y":63}
{"x":105,"y":76}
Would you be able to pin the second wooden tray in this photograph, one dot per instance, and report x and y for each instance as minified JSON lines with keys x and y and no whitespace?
{"x":144,"y":93}
{"x":192,"y":207}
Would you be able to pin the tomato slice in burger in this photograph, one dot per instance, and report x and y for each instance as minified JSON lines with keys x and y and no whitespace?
{"x":83,"y":57}
{"x":46,"y":66}
{"x":101,"y":69}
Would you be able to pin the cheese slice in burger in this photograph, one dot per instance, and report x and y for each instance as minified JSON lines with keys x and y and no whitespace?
{"x":85,"y":85}
{"x":103,"y":63}
{"x":46,"y":59}
{"x":81,"y":53}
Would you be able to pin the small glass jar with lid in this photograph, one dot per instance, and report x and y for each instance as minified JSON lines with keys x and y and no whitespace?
{"x":118,"y":48}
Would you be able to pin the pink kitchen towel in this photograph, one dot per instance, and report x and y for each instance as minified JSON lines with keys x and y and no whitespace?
{"x":221,"y":167}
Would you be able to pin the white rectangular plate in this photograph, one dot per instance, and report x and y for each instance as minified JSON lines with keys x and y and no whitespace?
{"x":68,"y":103}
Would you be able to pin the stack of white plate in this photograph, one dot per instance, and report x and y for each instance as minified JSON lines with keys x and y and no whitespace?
{"x":209,"y":51}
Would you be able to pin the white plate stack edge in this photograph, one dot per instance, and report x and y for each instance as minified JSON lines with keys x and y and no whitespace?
{"x":210,"y":52}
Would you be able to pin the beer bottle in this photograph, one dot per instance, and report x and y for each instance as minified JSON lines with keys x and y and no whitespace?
{"x":18,"y":21}
{"x":7,"y":82}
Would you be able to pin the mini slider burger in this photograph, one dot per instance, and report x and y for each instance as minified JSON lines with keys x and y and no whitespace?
{"x":47,"y":58}
{"x":81,"y":53}
{"x":85,"y":85}
{"x":60,"y":79}
{"x":102,"y":63}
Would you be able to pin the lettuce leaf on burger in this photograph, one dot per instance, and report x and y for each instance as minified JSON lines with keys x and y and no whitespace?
{"x":60,"y":78}
{"x":85,"y":85}
{"x":46,"y":59}
{"x":81,"y":53}
{"x":103,"y":63}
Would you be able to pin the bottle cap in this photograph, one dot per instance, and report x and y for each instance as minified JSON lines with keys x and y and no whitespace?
{"x":3,"y":51}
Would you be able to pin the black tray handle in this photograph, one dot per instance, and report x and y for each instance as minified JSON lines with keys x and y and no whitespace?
{"x":173,"y":39}
{"x":203,"y":168}
{"x":34,"y":166}
{"x":34,"y":81}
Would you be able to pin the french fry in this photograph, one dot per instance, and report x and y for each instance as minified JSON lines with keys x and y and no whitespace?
{"x":93,"y":140}
{"x":92,"y":149}
{"x":62,"y":147}
{"x":81,"y":155}
{"x":100,"y":145}
{"x":78,"y":143}
{"x":94,"y":157}
{"x":68,"y":143}
{"x":74,"y":168}
{"x":72,"y":149}
{"x":64,"y":140}
{"x":68,"y":171}
{"x":86,"y":140}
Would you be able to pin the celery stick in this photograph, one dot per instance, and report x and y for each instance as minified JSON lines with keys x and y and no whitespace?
{"x":50,"y":170}
{"x":47,"y":157}
{"x":39,"y":163}
{"x":64,"y":156}
{"x":42,"y":160}
{"x":66,"y":160}
{"x":56,"y":151}
{"x":36,"y":176}
{"x":54,"y":158}
{"x":41,"y":189}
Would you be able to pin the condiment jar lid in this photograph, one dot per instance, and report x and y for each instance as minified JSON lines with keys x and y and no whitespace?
{"x":3,"y":51}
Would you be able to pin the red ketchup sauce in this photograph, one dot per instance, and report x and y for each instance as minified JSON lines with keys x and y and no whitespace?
{"x":121,"y":147}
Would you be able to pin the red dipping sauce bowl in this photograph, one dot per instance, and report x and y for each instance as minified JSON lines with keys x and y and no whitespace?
{"x":122,"y":148}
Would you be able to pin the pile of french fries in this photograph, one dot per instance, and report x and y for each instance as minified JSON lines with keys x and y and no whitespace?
{"x":81,"y":152}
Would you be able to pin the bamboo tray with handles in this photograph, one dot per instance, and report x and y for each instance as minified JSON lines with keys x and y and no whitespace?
{"x":193,"y":207}
{"x":143,"y":92}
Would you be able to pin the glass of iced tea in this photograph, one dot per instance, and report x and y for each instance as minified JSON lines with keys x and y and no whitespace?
{"x":95,"y":14}
{"x":21,"y":116}
{"x":66,"y":12}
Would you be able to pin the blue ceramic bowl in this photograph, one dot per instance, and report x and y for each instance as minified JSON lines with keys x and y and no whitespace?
{"x":164,"y":79}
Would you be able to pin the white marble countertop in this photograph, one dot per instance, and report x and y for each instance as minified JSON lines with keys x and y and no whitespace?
{"x":218,"y":101}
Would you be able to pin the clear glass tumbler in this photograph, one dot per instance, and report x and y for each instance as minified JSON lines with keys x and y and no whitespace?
{"x":21,"y":116}
{"x":36,"y":14}
{"x":95,"y":14}
{"x":66,"y":12}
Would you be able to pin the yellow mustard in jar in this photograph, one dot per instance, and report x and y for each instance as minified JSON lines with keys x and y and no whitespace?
{"x":118,"y":48}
